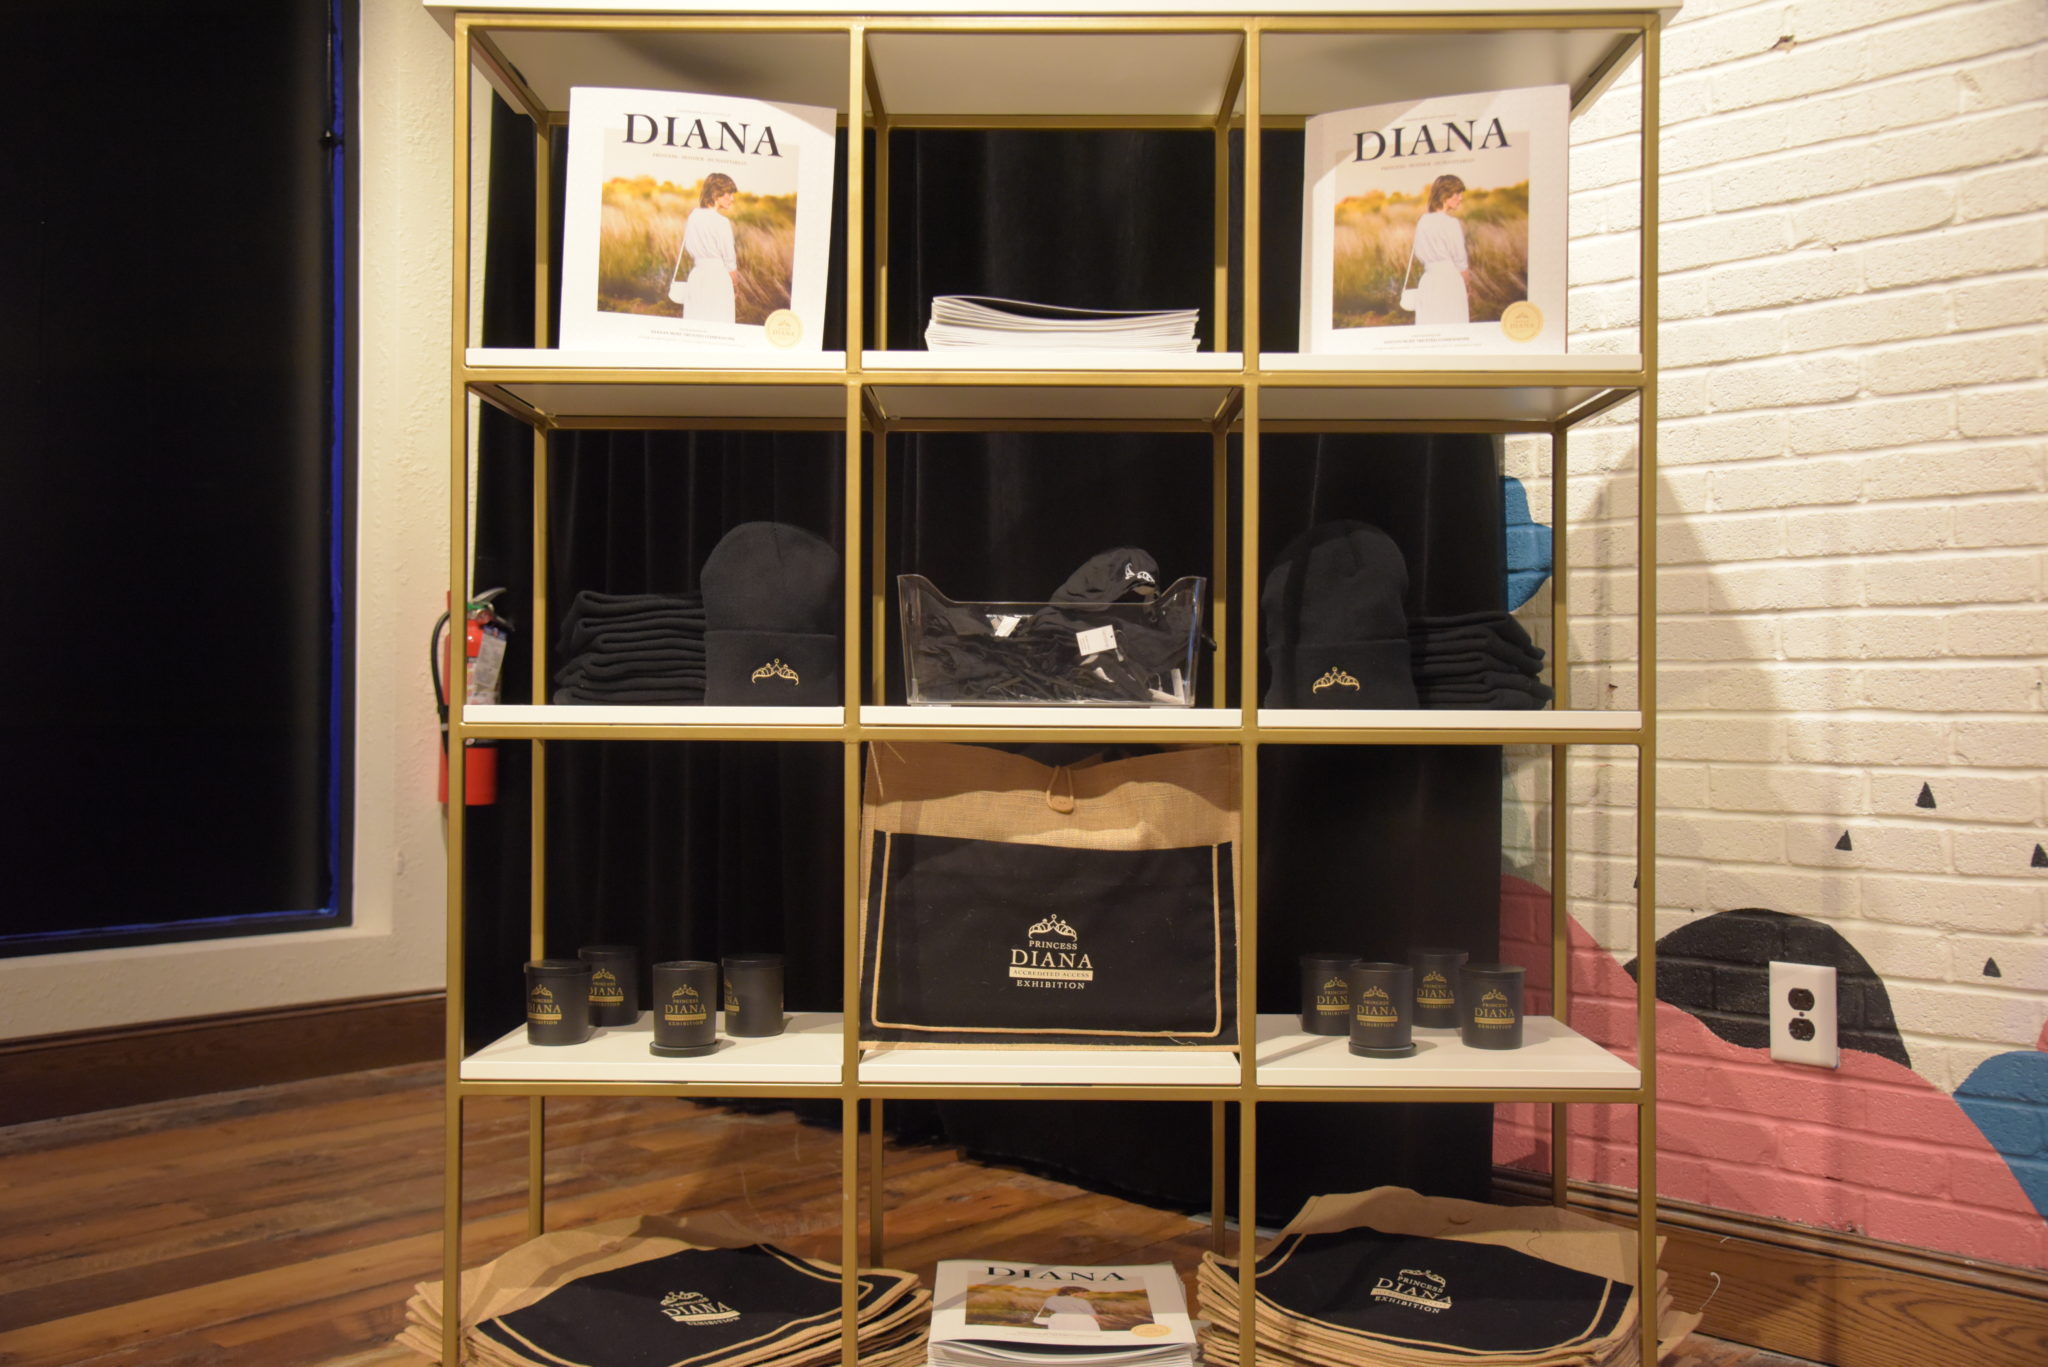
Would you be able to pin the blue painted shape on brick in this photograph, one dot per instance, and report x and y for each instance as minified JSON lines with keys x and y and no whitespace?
{"x":2007,"y":1098}
{"x":1528,"y":544}
{"x":2013,"y":1127}
{"x":2019,"y":1076}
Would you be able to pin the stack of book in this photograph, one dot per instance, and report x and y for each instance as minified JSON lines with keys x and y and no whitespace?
{"x":993,"y":1313}
{"x":1390,"y":1277}
{"x":630,"y":1292}
{"x":972,"y":320}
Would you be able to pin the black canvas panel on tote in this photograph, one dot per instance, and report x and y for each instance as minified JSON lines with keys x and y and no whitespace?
{"x":700,"y":1306}
{"x":1446,"y":1295}
{"x":981,"y":942}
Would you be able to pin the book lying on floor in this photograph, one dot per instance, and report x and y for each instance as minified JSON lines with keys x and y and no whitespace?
{"x":973,"y":320}
{"x":987,"y":1313}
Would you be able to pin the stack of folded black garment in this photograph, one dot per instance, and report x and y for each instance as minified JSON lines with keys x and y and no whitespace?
{"x":764,"y":631}
{"x":632,"y":648}
{"x":1476,"y":660}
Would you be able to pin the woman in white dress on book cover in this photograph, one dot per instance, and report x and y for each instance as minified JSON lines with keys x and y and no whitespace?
{"x":1067,"y":1313}
{"x":1440,"y":247}
{"x":707,"y":296}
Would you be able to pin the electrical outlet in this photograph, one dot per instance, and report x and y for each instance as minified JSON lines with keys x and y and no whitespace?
{"x":1803,"y":1015}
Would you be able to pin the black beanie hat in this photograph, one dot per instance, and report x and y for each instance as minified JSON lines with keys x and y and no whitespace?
{"x":1336,"y":627}
{"x":771,"y":618}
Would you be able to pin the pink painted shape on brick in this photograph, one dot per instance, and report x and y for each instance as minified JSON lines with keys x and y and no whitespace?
{"x":1871,"y":1148}
{"x":2042,"y":1042}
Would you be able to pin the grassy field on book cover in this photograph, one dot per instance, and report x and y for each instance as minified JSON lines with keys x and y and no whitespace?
{"x":1375,"y":231}
{"x":640,"y":245}
{"x":1018,"y":1307}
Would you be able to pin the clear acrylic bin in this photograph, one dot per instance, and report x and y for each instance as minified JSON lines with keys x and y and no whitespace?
{"x":1134,"y":653}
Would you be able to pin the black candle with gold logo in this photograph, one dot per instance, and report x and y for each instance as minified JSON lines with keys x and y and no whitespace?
{"x":684,"y":1007}
{"x":557,"y":1001}
{"x":614,"y":983}
{"x":1490,"y":1005}
{"x":753,"y":994}
{"x":1436,"y":986}
{"x":1326,"y":993}
{"x":1382,"y":1009}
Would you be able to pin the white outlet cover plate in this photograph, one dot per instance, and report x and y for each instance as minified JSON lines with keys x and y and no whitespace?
{"x":1823,"y":1050}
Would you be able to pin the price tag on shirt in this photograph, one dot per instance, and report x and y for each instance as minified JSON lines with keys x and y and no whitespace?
{"x":1004,"y":625}
{"x":1095,"y":640}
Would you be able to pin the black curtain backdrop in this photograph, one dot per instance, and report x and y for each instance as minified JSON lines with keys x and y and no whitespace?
{"x":701,"y":849}
{"x":171,"y":514}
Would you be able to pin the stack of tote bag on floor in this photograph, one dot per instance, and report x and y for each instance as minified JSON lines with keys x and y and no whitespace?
{"x":1013,"y":904}
{"x":1391,"y":1278}
{"x":651,"y":1292}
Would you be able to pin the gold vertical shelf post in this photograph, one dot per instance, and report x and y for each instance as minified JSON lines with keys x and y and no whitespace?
{"x":458,"y":579}
{"x":1646,"y":693}
{"x":1560,"y":796}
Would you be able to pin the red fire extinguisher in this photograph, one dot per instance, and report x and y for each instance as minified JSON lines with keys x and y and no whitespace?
{"x":485,"y":635}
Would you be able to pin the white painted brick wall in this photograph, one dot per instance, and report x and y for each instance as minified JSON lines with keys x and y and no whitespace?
{"x":1852,"y":492}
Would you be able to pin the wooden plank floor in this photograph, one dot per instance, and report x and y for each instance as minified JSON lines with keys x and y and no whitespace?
{"x":285,"y":1226}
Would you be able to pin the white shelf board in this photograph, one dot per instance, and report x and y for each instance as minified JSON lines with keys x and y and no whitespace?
{"x":1594,"y":363}
{"x":1355,"y":388}
{"x":1552,"y":1055}
{"x":566,"y":385}
{"x":1056,"y":8}
{"x":810,"y":1049}
{"x":1174,"y":718}
{"x":1132,"y":1067}
{"x":629,"y":715}
{"x":1169,"y":386}
{"x":789,"y":68}
{"x":1196,"y":364}
{"x":1444,"y":719}
{"x":658,"y":363}
{"x":1177,"y":74}
{"x":983,"y":73}
{"x":1313,"y":73}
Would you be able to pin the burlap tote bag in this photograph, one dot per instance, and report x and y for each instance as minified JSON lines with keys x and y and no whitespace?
{"x":1012,"y":904}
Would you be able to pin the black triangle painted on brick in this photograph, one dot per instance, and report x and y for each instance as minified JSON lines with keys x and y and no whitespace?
{"x":1926,"y":798}
{"x":1991,"y":969}
{"x":2040,"y":860}
{"x":1843,"y":843}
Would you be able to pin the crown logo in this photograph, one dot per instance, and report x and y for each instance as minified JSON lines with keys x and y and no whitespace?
{"x":542,"y":994}
{"x":1053,"y":925}
{"x":1336,"y":678}
{"x":775,"y":669}
{"x":1335,"y":985}
{"x":696,"y":1308}
{"x":685,"y":991}
{"x":1494,"y":994}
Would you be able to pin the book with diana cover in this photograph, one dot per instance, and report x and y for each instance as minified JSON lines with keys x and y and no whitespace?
{"x":695,"y":222}
{"x":992,"y":1311}
{"x":1437,"y":226}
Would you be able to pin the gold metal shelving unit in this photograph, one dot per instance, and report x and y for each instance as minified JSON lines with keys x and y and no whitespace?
{"x":1132,"y":69}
